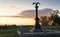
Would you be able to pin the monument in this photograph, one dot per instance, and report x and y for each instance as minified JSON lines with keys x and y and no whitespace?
{"x":37,"y":30}
{"x":37,"y":25}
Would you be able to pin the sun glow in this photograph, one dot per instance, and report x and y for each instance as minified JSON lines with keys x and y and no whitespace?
{"x":17,"y":21}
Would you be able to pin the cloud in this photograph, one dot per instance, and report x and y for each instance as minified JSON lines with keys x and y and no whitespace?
{"x":31,"y":13}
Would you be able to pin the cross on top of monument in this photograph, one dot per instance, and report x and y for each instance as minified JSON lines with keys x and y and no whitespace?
{"x":36,"y":3}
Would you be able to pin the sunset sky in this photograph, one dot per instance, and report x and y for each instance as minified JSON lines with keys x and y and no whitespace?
{"x":16,"y":7}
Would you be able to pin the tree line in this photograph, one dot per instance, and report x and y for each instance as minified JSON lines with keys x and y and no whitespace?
{"x":53,"y":19}
{"x":8,"y":26}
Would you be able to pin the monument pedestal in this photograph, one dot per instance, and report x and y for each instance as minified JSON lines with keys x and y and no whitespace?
{"x":37,"y":26}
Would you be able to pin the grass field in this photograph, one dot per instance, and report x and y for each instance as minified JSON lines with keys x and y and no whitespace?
{"x":8,"y":32}
{"x":12,"y":32}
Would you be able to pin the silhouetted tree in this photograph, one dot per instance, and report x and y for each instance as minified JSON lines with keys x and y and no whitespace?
{"x":44,"y":20}
{"x":55,"y":18}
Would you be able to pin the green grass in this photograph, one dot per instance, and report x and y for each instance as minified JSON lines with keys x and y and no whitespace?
{"x":8,"y":33}
{"x":12,"y":32}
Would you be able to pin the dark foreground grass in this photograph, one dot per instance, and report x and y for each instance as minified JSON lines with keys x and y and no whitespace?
{"x":8,"y":33}
{"x":12,"y":32}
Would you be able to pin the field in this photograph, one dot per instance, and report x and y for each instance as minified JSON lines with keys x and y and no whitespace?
{"x":11,"y":31}
{"x":8,"y":32}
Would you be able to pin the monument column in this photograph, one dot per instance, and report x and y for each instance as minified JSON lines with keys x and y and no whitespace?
{"x":37,"y":25}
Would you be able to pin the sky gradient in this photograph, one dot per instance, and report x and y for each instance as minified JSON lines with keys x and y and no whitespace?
{"x":15,"y":7}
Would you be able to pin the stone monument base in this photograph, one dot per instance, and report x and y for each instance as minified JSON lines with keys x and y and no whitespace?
{"x":37,"y":30}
